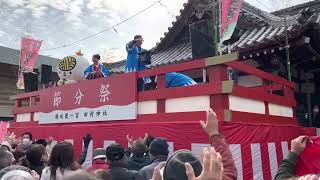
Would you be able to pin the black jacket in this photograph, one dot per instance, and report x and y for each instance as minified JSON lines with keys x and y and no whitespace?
{"x":118,"y":172}
{"x":136,"y":163}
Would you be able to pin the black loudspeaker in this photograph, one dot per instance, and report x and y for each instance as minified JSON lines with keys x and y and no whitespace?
{"x":30,"y":82}
{"x":46,"y":74}
{"x":201,"y":37}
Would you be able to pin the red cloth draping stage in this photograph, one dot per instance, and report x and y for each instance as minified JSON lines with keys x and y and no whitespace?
{"x":257,"y":149}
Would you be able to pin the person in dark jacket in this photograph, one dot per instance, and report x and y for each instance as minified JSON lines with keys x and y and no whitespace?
{"x":158,"y":151}
{"x":115,"y":156}
{"x":138,"y":159}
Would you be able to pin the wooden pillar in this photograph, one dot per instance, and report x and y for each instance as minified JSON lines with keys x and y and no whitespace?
{"x":161,"y":84}
{"x":219,"y":102}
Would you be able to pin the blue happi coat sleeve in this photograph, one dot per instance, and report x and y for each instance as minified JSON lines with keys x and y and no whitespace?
{"x":105,"y":72}
{"x":88,"y":71}
{"x":178,"y":80}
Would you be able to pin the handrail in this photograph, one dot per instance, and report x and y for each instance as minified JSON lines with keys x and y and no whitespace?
{"x":251,"y":70}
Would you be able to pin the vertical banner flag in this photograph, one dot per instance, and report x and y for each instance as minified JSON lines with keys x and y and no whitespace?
{"x":3,"y":130}
{"x":229,"y":17}
{"x":28,"y":55}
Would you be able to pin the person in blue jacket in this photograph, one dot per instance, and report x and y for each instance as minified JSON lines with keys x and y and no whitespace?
{"x":134,"y":62}
{"x":96,"y":70}
{"x":174,"y":79}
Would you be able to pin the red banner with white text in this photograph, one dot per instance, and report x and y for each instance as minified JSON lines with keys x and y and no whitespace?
{"x":111,"y":98}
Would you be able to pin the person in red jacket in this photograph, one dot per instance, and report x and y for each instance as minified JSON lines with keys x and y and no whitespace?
{"x":99,"y":160}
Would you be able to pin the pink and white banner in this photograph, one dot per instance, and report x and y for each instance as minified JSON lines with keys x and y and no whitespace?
{"x":29,"y":53}
{"x":105,"y":99}
{"x":3,"y":130}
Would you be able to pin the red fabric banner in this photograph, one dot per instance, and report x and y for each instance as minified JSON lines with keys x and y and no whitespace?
{"x":29,"y":53}
{"x":109,"y":98}
{"x":257,"y":149}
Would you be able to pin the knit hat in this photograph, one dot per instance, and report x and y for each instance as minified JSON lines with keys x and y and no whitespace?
{"x":99,"y":153}
{"x":159,"y":146}
{"x":114,"y":152}
{"x":175,"y":166}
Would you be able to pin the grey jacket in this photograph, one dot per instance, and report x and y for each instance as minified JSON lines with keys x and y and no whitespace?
{"x":147,"y":171}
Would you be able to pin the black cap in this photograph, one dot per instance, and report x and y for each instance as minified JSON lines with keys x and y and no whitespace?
{"x":175,"y":166}
{"x":159,"y":146}
{"x":115,"y":152}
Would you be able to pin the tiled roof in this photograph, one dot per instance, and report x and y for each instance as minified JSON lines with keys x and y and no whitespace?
{"x":257,"y":30}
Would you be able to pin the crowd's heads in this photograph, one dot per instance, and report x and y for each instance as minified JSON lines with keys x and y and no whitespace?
{"x":17,"y":175}
{"x":62,"y":155}
{"x":114,"y":153}
{"x":35,"y":154}
{"x":6,"y":159}
{"x":159,"y":147}
{"x":149,"y":140}
{"x":27,"y":135}
{"x":14,"y":168}
{"x":175,"y":166}
{"x":103,"y":175}
{"x":18,"y":155}
{"x":42,"y":142}
{"x":81,"y":176}
{"x":138,"y":148}
{"x":99,"y":153}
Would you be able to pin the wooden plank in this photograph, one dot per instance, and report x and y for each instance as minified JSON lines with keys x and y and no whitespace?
{"x":196,"y":90}
{"x":211,"y":61}
{"x":253,"y":71}
{"x":263,"y":96}
{"x":25,"y":95}
{"x":252,"y":118}
{"x":195,"y":64}
{"x":23,"y":110}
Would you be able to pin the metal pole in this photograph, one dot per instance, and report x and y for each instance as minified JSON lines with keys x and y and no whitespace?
{"x":215,"y":29}
{"x":287,"y":48}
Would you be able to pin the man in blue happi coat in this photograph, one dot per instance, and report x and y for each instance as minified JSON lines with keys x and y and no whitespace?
{"x":134,"y":59}
{"x":96,"y":70}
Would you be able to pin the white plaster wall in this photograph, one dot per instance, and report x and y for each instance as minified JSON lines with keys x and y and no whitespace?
{"x":187,"y":104}
{"x":279,"y":110}
{"x":147,"y":107}
{"x":23,"y":117}
{"x":246,"y":105}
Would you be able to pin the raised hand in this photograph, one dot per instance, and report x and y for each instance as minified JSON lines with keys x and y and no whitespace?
{"x":299,"y":144}
{"x":156,"y":173}
{"x":212,"y":166}
{"x":211,"y":126}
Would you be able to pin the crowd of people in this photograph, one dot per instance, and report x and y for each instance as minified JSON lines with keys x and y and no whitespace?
{"x":27,"y":159}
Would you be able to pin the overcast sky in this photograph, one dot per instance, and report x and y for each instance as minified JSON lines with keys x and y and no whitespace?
{"x":58,"y":22}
